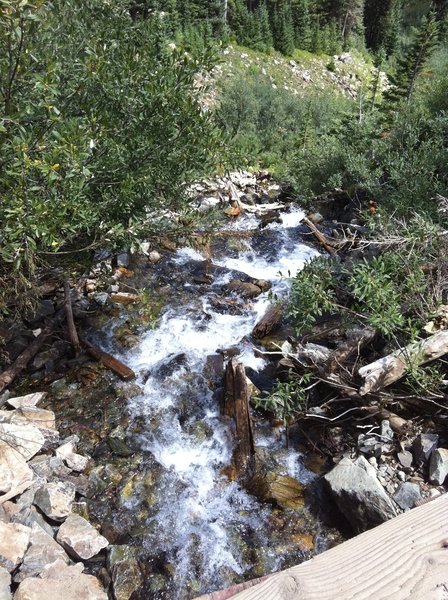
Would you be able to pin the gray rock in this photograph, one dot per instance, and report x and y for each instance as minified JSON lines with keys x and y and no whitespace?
{"x":407,"y":495}
{"x":5,"y":584}
{"x":42,"y":551}
{"x":80,"y":538}
{"x":74,"y":461}
{"x":154,"y":257}
{"x":438,"y":466}
{"x":123,"y":260}
{"x":387,"y":434}
{"x":102,"y":298}
{"x":61,"y":582}
{"x":15,"y":474}
{"x":55,"y":499}
{"x":405,"y":458}
{"x":424,"y":446}
{"x":39,"y":417}
{"x":45,"y":359}
{"x":14,"y":540}
{"x":358,"y":493}
{"x":24,"y":438}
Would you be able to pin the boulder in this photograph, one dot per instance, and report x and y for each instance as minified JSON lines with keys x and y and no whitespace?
{"x":42,"y":551}
{"x":243,"y":288}
{"x":80,"y":538}
{"x":55,"y":499}
{"x":438,"y":466}
{"x":5,"y":584}
{"x":15,"y":474}
{"x":407,"y":495}
{"x":28,"y":400}
{"x":60,"y":582}
{"x":26,"y":439}
{"x":286,"y":491}
{"x":358,"y":494}
{"x":14,"y":540}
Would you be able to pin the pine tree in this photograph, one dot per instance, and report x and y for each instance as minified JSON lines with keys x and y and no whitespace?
{"x":412,"y":63}
{"x":301,"y":18}
{"x":381,"y":23}
{"x":283,"y":30}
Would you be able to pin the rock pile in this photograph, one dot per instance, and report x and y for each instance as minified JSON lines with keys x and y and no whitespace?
{"x":42,"y":540}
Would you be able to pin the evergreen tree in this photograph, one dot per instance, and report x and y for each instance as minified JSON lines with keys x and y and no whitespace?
{"x":410,"y":65}
{"x":283,"y":30}
{"x":301,"y":17}
{"x":381,"y":23}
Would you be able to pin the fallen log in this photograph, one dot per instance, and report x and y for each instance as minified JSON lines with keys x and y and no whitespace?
{"x":320,"y":237}
{"x":353,"y":345}
{"x":108,"y":361}
{"x":393,"y":367}
{"x":21,"y":362}
{"x":268,"y":321}
{"x":236,"y":406}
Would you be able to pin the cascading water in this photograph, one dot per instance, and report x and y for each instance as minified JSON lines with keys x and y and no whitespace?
{"x":209,"y":530}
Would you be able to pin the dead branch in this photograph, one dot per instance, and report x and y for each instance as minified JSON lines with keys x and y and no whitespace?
{"x":108,"y":361}
{"x":72,"y":333}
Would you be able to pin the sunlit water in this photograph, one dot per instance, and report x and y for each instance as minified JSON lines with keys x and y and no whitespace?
{"x":205,"y":522}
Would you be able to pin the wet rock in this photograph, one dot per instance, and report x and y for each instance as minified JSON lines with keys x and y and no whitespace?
{"x":214,"y":368}
{"x":55,"y":499}
{"x":438,"y":466}
{"x":14,"y":540}
{"x":407,"y":495}
{"x":26,"y":439}
{"x":243,"y":288}
{"x":28,"y":400}
{"x":286,"y":491}
{"x":29,"y":516}
{"x":80,"y":538}
{"x":358,"y":493}
{"x":424,"y":446}
{"x":124,"y":298}
{"x":74,"y":461}
{"x":15,"y":475}
{"x":263,"y":284}
{"x":126,"y":574}
{"x":5,"y":584}
{"x":315,"y":218}
{"x":118,"y":446}
{"x":42,"y":551}
{"x":61,"y":582}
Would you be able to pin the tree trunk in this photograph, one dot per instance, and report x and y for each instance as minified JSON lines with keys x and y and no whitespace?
{"x":268,"y":321}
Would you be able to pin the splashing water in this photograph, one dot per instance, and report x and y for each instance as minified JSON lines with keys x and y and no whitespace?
{"x":206,"y":526}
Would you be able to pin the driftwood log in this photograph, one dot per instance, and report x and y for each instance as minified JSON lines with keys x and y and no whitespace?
{"x":236,"y":406}
{"x":268,"y":321}
{"x":391,"y":368}
{"x":108,"y":361}
{"x":320,"y":237}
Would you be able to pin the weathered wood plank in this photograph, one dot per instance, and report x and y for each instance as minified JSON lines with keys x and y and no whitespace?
{"x":404,"y":558}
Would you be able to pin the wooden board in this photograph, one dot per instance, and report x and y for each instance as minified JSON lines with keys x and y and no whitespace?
{"x":402,"y":559}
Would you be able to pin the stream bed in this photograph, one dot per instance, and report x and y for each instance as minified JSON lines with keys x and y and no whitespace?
{"x":172,"y":499}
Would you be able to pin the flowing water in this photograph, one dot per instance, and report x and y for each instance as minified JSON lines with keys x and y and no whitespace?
{"x":209,"y":531}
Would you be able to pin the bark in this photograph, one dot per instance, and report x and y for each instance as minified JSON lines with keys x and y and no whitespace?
{"x":268,"y":321}
{"x":108,"y":361}
{"x":236,"y":406}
